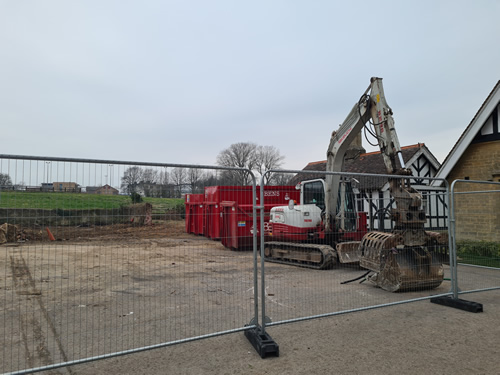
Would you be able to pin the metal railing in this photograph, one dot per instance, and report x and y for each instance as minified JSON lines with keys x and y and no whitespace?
{"x":86,"y":276}
{"x":174,"y":257}
{"x":295,"y":292}
{"x":475,"y":235}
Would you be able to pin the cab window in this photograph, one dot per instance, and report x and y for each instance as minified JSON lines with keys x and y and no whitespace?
{"x":314,"y":194}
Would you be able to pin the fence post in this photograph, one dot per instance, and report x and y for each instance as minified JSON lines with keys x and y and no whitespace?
{"x":454,"y":301}
{"x":453,"y":249}
{"x":260,"y":339}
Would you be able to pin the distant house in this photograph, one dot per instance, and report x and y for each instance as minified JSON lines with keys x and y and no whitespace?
{"x":91,"y":189}
{"x":476,"y":156}
{"x":47,"y":186}
{"x":374,"y":196}
{"x":107,"y":190}
{"x":103,"y":190}
{"x":68,"y":187}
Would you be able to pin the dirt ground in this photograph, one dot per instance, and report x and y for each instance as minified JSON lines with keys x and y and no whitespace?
{"x":100,"y":290}
{"x":99,"y":233}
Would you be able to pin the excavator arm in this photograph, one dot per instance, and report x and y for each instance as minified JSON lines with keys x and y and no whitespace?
{"x":402,"y":259}
{"x":372,"y":106}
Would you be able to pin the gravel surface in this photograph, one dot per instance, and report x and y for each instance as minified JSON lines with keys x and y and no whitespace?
{"x":109,"y":289}
{"x":415,"y":338}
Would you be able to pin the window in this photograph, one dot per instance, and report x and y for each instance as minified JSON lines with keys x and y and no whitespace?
{"x":314,"y":193}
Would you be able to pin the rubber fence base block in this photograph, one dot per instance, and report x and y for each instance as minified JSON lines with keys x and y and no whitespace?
{"x":459,"y":304}
{"x":263,"y":343}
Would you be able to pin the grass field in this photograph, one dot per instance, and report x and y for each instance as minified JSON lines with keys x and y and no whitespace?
{"x":80,"y":201}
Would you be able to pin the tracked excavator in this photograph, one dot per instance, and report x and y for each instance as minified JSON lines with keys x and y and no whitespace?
{"x":325,"y":229}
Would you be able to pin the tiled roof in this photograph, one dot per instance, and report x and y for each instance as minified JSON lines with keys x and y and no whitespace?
{"x":371,"y":162}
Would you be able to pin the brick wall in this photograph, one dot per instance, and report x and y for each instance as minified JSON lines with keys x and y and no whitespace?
{"x":478,"y":214}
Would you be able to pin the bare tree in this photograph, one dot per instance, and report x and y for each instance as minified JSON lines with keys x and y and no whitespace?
{"x":267,"y":158}
{"x":163,"y":178}
{"x":5,"y":180}
{"x":149,"y":182}
{"x":210,"y":178}
{"x":280,"y":179}
{"x":150,"y":176}
{"x":195,"y":177}
{"x":178,"y":177}
{"x":164,"y":184}
{"x":252,"y":157}
{"x":242,"y":155}
{"x":131,"y":179}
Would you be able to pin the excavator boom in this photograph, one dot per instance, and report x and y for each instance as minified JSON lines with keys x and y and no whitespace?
{"x":372,"y":105}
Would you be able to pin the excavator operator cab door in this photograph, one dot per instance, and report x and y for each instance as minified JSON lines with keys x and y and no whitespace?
{"x":313,"y":192}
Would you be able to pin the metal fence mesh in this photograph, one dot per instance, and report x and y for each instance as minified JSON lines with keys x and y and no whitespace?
{"x":294,"y":291}
{"x":476,"y":209}
{"x":105,"y":258}
{"x":86,"y":273}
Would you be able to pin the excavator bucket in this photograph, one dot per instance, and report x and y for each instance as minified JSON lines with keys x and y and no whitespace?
{"x":349,"y":252}
{"x":397,"y":267}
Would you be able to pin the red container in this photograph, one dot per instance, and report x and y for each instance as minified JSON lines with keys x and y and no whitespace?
{"x":194,"y":213}
{"x":237,"y":216}
{"x":214,"y":196}
{"x":236,"y":226}
{"x":212,"y":220}
{"x":226,"y":212}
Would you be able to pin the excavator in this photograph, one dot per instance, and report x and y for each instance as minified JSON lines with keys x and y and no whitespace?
{"x":325,"y":229}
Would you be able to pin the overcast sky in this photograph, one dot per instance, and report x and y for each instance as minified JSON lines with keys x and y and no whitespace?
{"x":179,"y":81}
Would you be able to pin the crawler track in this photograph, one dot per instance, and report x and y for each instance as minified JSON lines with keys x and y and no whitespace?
{"x":313,"y":256}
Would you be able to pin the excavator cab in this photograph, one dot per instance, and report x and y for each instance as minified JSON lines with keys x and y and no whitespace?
{"x":313,"y":192}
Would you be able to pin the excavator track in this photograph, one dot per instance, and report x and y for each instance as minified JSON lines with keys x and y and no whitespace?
{"x":313,"y":256}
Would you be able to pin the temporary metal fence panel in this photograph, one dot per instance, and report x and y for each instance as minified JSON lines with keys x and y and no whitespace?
{"x":476,"y":234}
{"x":84,"y":274}
{"x":294,"y":290}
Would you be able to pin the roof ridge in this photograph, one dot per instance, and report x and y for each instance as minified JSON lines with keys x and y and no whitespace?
{"x":316,"y":162}
{"x":416,"y":145}
{"x":419,"y":145}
